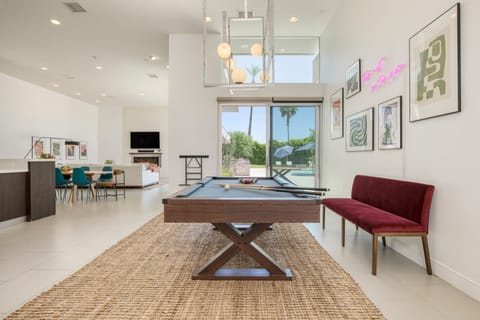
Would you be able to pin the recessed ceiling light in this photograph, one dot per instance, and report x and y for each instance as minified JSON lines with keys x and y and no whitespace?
{"x":103,"y":94}
{"x":293,"y":19}
{"x":77,"y":93}
{"x":208,"y":19}
{"x":44,"y":68}
{"x":152,"y":58}
{"x":141,"y":93}
{"x":99,"y":67}
{"x":55,"y":22}
{"x":55,"y":85}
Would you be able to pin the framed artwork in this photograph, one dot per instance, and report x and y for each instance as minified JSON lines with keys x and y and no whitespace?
{"x":390,"y":124}
{"x":336,"y":114}
{"x":435,"y":67}
{"x":56,"y":148}
{"x":83,"y":151}
{"x":352,"y":79}
{"x":70,"y":152}
{"x":40,"y":146}
{"x":359,"y":131}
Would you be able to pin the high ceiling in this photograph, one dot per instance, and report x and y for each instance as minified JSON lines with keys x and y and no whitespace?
{"x":119,"y":36}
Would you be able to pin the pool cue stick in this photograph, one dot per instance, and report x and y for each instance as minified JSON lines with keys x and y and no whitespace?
{"x":306,"y":188}
{"x":305,"y":192}
{"x":282,"y":187}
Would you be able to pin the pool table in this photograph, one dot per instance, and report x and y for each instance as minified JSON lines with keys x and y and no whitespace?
{"x":209,"y":202}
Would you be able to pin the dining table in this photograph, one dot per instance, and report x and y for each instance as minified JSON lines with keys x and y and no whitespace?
{"x":67,"y":174}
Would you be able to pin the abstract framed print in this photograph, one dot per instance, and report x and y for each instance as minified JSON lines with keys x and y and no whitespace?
{"x":352,"y":79}
{"x":359,"y":131}
{"x":336,"y":114}
{"x":390,"y":124}
{"x":83,"y":150}
{"x":435,"y":67}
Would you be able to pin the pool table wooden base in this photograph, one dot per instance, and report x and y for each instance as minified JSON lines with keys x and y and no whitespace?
{"x":242,"y":274}
{"x":242,"y":241}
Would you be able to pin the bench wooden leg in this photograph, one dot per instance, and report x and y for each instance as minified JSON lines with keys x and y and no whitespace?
{"x":426,"y":253}
{"x":384,"y":242}
{"x":343,"y":232}
{"x":374,"y":253}
{"x":323,"y":218}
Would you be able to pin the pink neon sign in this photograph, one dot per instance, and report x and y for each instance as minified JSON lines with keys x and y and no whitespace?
{"x":382,"y":78}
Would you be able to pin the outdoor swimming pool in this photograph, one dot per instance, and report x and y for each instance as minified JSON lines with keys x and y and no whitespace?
{"x":302,"y":173}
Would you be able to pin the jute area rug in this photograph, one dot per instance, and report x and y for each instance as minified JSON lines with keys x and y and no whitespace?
{"x":147,"y":276}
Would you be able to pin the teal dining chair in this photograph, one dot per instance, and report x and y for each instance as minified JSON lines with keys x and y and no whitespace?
{"x":114,"y":184}
{"x":106,"y":176}
{"x":61,"y":183}
{"x":103,"y":182}
{"x":80,"y":180}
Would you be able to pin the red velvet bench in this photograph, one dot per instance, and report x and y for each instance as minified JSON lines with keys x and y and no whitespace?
{"x":385,"y":207}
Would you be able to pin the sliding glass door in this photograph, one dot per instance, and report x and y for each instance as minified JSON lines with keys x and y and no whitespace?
{"x":293,"y":143}
{"x":244,"y":140}
{"x":270,"y":140}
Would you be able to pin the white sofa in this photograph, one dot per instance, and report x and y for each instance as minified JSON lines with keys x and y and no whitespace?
{"x":136,"y":174}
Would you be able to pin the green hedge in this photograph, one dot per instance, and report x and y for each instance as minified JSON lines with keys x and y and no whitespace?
{"x":243,"y":146}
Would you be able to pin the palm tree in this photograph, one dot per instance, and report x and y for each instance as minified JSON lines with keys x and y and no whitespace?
{"x":250,"y":122}
{"x":288,"y":113}
{"x":253,"y":70}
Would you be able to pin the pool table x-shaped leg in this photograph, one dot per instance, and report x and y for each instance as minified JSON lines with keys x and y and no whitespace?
{"x":242,"y":241}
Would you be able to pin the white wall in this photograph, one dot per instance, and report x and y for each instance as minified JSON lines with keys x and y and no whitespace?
{"x":110,"y":134}
{"x":193,"y":111}
{"x":28,"y":110}
{"x":146,"y":119}
{"x":441,"y":151}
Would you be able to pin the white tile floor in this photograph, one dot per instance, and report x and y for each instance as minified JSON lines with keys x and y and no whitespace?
{"x":36,"y":255}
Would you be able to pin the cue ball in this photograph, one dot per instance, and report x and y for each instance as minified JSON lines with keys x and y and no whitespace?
{"x":227,"y":187}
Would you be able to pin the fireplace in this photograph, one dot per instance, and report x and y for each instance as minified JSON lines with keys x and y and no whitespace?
{"x":154,"y":160}
{"x":147,"y":158}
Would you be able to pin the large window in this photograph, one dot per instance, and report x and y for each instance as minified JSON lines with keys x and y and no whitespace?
{"x":296,"y":60}
{"x":270,"y":140}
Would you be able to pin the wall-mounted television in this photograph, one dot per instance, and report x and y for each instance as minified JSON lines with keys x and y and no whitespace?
{"x":145,"y":140}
